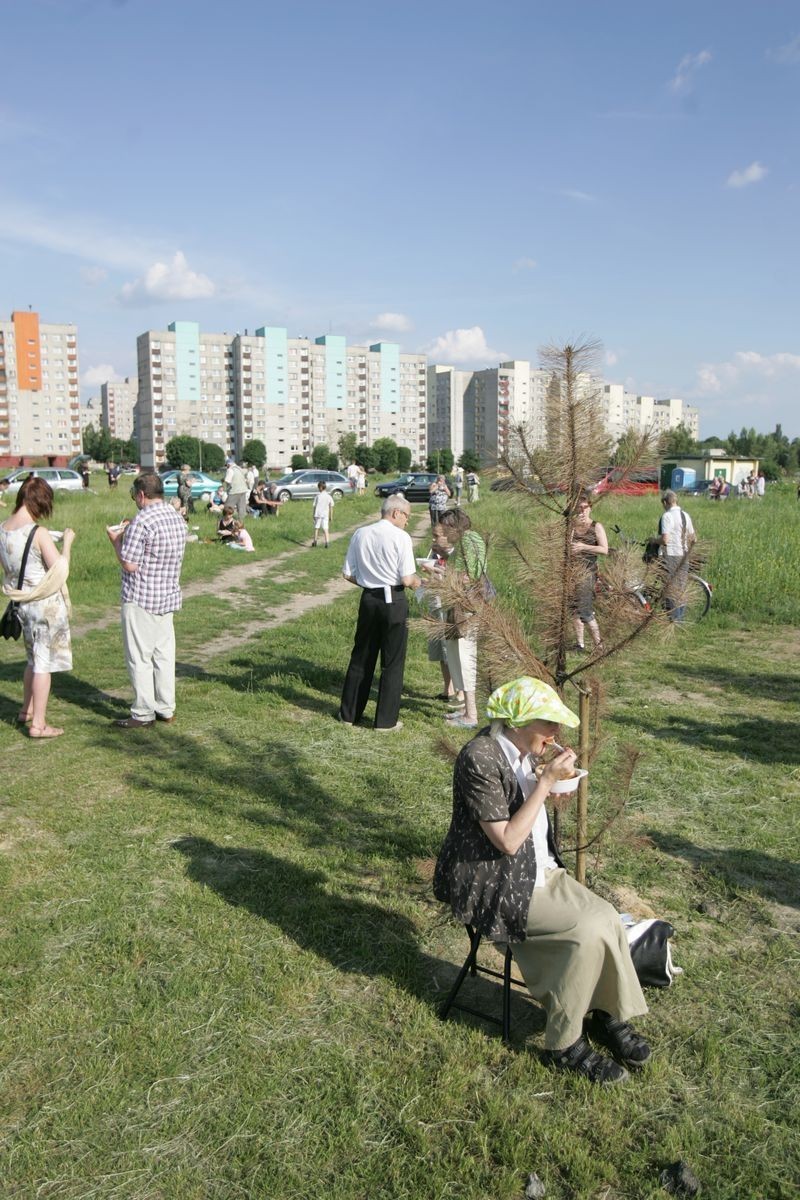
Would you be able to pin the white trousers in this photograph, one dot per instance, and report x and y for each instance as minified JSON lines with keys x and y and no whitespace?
{"x":149,"y":643}
{"x":462,"y":660}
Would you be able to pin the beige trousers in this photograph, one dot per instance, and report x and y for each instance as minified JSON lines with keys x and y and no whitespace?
{"x":149,"y":642}
{"x":462,"y":659}
{"x":575,"y":958}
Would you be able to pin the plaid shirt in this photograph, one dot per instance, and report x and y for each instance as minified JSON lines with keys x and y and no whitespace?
{"x":155,"y":540}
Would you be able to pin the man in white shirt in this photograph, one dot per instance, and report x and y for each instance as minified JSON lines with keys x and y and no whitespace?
{"x":380,"y":560}
{"x":676,"y":531}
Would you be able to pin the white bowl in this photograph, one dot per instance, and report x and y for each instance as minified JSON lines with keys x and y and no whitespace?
{"x":568,"y":785}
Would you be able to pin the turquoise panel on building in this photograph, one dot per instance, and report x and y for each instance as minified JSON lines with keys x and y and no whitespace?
{"x":276,"y":360}
{"x":335,"y":368}
{"x":187,"y":359}
{"x":390,"y":374}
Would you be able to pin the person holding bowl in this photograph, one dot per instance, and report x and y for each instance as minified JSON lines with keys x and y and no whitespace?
{"x":499,"y":870}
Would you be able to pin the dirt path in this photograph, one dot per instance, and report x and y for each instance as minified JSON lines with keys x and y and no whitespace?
{"x":238,"y":576}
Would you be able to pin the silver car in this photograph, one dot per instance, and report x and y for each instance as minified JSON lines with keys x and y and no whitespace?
{"x":61,"y":479}
{"x":302,"y":485}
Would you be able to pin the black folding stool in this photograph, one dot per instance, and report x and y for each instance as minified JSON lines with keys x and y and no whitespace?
{"x":472,"y":967}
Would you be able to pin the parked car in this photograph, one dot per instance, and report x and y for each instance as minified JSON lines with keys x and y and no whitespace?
{"x":698,"y":488}
{"x":61,"y":479}
{"x":415,"y":486}
{"x":302,"y":485}
{"x":203,"y":486}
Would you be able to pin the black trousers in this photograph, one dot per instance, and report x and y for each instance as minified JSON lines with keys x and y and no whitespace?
{"x":381,"y":629}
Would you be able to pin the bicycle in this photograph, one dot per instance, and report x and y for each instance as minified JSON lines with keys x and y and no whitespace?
{"x":697,"y":595}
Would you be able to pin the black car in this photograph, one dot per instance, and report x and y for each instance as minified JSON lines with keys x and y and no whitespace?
{"x":415,"y":486}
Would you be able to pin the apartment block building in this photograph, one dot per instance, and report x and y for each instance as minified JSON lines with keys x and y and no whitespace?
{"x":476,"y":410}
{"x":625,"y":410}
{"x":118,"y":403}
{"x":291,"y":393}
{"x":39,"y":394}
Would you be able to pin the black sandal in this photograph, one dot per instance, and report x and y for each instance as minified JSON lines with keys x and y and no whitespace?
{"x":620,"y":1038}
{"x":583,"y":1060}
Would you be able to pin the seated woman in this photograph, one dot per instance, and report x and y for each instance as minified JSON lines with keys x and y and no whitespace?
{"x":499,"y":871}
{"x":226,"y":523}
{"x":262,"y":502}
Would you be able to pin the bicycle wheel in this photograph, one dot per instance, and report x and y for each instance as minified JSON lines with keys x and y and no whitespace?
{"x":697,"y":599}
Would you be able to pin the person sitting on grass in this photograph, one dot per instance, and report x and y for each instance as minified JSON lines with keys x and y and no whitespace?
{"x":263,"y":503}
{"x":323,"y":507}
{"x":241,"y":539}
{"x":500,"y":872}
{"x":217,"y":502}
{"x":225,"y":525}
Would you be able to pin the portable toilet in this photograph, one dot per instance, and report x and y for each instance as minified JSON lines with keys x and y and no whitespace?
{"x":682,"y":477}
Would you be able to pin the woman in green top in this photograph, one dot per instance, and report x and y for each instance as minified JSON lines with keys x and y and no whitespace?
{"x":469,"y":559}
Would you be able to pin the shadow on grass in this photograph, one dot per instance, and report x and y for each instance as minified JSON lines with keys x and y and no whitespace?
{"x":783,"y":688}
{"x":760,"y":739}
{"x":66,"y":686}
{"x":774,"y":878}
{"x":352,"y":934}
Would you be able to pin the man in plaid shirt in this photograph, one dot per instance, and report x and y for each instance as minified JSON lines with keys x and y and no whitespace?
{"x":150,"y":551}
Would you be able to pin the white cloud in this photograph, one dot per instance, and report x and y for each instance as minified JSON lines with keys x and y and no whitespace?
{"x":391,"y":322}
{"x":748,"y":389}
{"x":683,"y":78}
{"x":525,"y":264}
{"x":102,"y":373}
{"x":789,"y":54}
{"x":752,"y":174}
{"x":173,"y":280}
{"x":93,"y":275}
{"x":466,"y":347}
{"x":575,"y":194}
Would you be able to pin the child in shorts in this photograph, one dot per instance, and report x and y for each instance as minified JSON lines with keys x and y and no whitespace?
{"x":323,"y":507}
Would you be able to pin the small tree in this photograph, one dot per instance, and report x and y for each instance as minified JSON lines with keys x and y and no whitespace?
{"x":182,"y":449}
{"x":470,"y":461}
{"x":386,"y":454}
{"x":320,"y":456}
{"x":213,"y":458}
{"x":403,"y":458}
{"x":90,"y":440}
{"x":347,"y":447}
{"x":440,"y":461}
{"x":366,"y":457}
{"x":102,"y":446}
{"x":678,"y":442}
{"x":299,"y":462}
{"x":333,"y":463}
{"x":254,"y":452}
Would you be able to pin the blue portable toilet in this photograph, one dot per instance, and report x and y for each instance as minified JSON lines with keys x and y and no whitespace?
{"x":682,"y":477}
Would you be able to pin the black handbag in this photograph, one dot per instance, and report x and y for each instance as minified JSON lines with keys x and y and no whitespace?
{"x":11,"y":622}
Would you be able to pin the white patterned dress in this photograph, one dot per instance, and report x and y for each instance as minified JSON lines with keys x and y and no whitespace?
{"x":45,"y":623}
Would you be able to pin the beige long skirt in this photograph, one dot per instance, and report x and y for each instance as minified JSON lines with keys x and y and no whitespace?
{"x":575,"y":958}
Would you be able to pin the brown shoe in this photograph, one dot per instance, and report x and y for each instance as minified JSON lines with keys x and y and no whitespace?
{"x":132,"y":723}
{"x":166,"y":720}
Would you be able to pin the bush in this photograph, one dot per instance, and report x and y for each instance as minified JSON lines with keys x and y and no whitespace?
{"x":440,"y":461}
{"x":385,"y":450}
{"x":366,"y":457}
{"x":470,"y":461}
{"x":254,"y":452}
{"x":299,"y":462}
{"x":403,"y":458}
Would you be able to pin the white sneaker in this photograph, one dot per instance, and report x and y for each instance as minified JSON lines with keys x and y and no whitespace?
{"x":388,"y":728}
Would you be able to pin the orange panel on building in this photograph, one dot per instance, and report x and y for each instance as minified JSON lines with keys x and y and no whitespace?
{"x":29,"y":358}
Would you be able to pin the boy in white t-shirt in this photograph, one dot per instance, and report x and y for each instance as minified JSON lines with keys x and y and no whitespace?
{"x":323,"y":507}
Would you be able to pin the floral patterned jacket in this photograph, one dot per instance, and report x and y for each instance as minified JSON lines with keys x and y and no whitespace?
{"x":483,"y":886}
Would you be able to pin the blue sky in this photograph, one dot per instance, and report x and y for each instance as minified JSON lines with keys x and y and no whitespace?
{"x":469,"y":179}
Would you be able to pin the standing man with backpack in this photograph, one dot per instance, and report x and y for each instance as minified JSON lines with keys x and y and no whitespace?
{"x":677,"y":536}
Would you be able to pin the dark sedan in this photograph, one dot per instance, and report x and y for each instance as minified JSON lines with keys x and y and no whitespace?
{"x":415,"y":486}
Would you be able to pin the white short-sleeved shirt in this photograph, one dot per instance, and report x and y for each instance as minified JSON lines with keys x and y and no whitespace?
{"x":323,"y":503}
{"x":671,"y":526}
{"x":379,"y":555}
{"x":527,"y":781}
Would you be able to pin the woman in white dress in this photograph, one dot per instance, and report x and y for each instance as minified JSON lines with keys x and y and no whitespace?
{"x":43,"y":598}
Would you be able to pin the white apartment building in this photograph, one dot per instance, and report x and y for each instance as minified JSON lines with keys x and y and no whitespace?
{"x":118,"y":402}
{"x":624,"y":410}
{"x":290,"y":393}
{"x":39,"y":397}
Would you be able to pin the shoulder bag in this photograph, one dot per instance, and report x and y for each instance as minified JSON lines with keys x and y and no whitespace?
{"x":11,"y":622}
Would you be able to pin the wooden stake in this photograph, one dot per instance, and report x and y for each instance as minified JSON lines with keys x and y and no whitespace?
{"x":582,"y":813}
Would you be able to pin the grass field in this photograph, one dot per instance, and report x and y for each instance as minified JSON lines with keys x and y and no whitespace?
{"x":221,"y":961}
